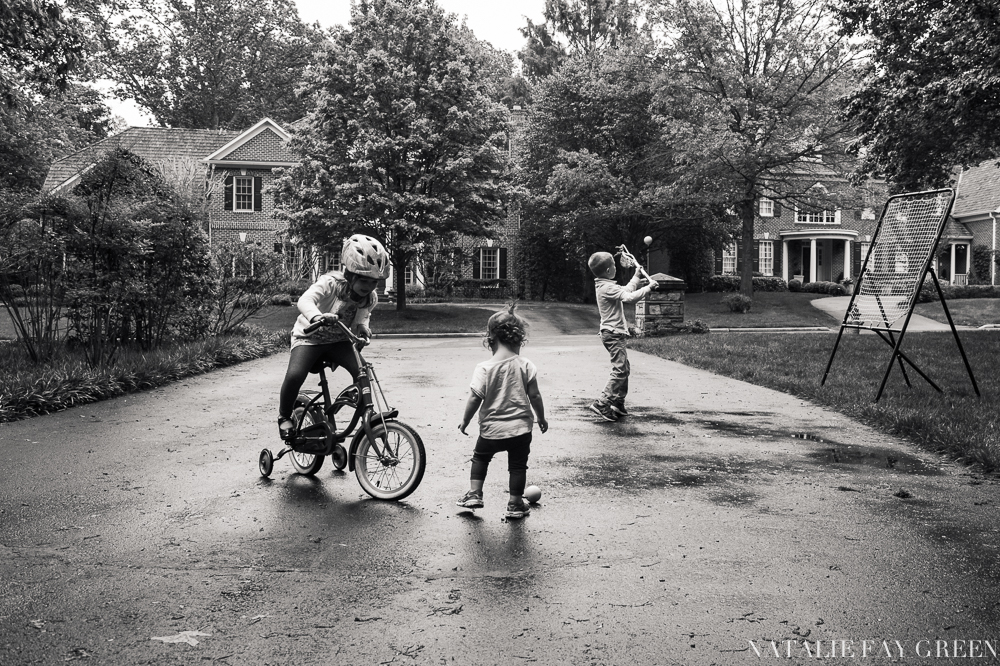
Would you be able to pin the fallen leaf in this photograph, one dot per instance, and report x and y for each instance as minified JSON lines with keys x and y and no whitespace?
{"x":183,"y":637}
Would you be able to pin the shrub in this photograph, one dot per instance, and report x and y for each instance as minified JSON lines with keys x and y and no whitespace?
{"x":795,"y":285}
{"x":656,"y":329}
{"x":738,"y":303}
{"x":724,"y":283}
{"x":491,"y":289}
{"x":823,"y":287}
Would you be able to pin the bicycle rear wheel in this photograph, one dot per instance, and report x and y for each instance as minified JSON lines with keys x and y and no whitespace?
{"x":398,"y":471}
{"x":307,"y":463}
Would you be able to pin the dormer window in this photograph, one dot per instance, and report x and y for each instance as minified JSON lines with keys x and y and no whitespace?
{"x":765,"y":207}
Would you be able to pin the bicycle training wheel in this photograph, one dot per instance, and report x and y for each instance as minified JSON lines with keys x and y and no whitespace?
{"x":398,"y":471}
{"x":307,"y":463}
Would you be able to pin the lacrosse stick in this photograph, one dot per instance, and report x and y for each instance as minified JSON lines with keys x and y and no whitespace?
{"x":627,"y":260}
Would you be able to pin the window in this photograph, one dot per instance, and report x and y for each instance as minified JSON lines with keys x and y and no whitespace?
{"x":766,"y":207}
{"x":729,"y":260}
{"x":767,"y":257}
{"x":865,"y":248}
{"x":815,"y":217}
{"x":490,"y":266}
{"x":408,"y":276}
{"x":243,"y":193}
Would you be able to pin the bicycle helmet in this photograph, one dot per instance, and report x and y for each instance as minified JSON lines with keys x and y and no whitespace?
{"x":363,"y":255}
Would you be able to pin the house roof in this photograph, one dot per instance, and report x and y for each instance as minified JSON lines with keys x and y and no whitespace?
{"x":978,"y":190}
{"x":158,"y":144}
{"x":151,"y":143}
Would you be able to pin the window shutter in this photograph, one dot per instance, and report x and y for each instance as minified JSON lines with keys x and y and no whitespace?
{"x":477,"y":260}
{"x":756,"y":256}
{"x":718,"y":262}
{"x":739,"y":257}
{"x":257,"y":186}
{"x":836,"y":216}
{"x":228,"y":193}
{"x":857,"y":214}
{"x":856,"y":260}
{"x":503,"y":264}
{"x":777,"y":209}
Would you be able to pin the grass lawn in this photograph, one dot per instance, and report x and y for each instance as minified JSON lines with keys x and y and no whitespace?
{"x":770,"y":309}
{"x":956,"y":422}
{"x":964,"y":311}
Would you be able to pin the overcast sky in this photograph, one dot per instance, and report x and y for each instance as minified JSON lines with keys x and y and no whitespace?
{"x":496,"y":21}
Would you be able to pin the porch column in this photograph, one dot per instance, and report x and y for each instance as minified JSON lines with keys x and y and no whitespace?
{"x":784,"y":261}
{"x":812,"y":261}
{"x":952,"y":274}
{"x":847,"y":259}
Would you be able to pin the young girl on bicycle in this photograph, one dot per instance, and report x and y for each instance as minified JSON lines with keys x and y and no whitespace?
{"x":348,"y":296}
{"x":504,"y":391}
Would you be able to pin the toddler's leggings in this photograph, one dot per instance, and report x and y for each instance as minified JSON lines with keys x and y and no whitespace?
{"x":517,"y":449}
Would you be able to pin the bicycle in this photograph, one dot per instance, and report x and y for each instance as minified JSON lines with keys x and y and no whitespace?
{"x":386,"y":455}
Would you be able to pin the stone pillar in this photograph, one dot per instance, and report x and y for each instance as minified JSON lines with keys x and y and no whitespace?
{"x":662,"y":309}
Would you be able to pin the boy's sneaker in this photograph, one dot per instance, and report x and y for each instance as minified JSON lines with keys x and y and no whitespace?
{"x":471,"y":500}
{"x":518,"y":509}
{"x":603,"y":410}
{"x":618,"y":407}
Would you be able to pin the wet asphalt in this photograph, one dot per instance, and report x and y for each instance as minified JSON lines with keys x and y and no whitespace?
{"x":721,"y":523}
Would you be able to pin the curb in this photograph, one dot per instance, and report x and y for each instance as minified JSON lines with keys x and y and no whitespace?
{"x":378,"y":336}
{"x":787,"y":329}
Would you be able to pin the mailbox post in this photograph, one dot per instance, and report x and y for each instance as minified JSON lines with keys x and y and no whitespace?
{"x":663,"y":308}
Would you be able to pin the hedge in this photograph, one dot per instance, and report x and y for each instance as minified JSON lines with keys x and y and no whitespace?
{"x":722,"y":283}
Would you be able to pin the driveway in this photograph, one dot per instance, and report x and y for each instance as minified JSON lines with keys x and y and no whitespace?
{"x":722,"y":523}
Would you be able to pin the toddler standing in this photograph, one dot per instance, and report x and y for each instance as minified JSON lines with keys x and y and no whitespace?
{"x":504,"y":391}
{"x":614,"y":330}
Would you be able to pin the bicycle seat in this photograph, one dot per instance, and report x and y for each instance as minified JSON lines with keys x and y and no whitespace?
{"x":319,"y":365}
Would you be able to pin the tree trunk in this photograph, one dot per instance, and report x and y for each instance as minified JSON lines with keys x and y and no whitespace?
{"x":399,"y":270}
{"x":745,"y":209}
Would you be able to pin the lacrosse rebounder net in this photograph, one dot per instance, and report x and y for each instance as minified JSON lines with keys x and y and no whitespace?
{"x":901,"y":255}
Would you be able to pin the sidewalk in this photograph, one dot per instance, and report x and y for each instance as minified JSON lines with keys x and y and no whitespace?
{"x":836,"y":306}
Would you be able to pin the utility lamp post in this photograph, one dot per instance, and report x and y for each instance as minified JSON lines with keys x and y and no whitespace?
{"x":648,"y":240}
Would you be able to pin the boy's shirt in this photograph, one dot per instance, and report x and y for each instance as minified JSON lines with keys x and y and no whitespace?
{"x":611,"y":296}
{"x":503,"y":387}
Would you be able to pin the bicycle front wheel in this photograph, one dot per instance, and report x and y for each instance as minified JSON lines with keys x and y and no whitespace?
{"x":392,"y":469}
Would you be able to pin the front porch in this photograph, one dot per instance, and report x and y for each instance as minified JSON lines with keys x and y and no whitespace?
{"x":826,"y":256}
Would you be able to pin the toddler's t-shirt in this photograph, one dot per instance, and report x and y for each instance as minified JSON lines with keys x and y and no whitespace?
{"x":503,"y":387}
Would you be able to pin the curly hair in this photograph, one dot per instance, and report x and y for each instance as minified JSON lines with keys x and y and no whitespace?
{"x":507,"y":328}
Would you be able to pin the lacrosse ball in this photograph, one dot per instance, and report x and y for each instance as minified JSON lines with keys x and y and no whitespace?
{"x":532,"y":494}
{"x":648,"y":240}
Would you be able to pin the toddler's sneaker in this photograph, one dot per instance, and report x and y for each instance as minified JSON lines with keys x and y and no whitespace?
{"x":471,"y":500}
{"x":518,"y":509}
{"x":618,"y":407}
{"x":603,"y":410}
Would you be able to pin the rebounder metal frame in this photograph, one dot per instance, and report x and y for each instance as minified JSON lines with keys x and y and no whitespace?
{"x":881,"y":302}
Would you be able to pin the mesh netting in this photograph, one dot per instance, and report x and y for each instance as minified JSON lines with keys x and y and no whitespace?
{"x":900,"y":251}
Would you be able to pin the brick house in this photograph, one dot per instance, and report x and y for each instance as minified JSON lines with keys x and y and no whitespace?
{"x":974,"y":223}
{"x":810,"y":246}
{"x":240,"y":164}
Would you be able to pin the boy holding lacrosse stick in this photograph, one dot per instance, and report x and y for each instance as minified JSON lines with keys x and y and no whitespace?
{"x":614,"y":329}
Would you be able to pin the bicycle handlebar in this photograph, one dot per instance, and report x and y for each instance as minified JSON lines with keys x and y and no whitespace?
{"x":323,"y":322}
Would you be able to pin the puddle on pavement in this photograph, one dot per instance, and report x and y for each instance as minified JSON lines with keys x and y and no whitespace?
{"x":646,"y":471}
{"x":867,"y":456}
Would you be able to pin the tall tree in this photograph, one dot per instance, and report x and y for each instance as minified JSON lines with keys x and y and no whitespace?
{"x":585,"y":163}
{"x":575,"y":27}
{"x":39,"y":48}
{"x":405,"y":137}
{"x":35,"y":133}
{"x":930,"y":94}
{"x":750,"y":90}
{"x":205,"y":63}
